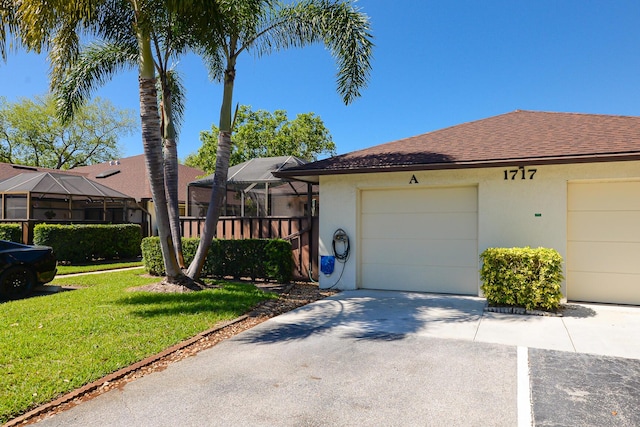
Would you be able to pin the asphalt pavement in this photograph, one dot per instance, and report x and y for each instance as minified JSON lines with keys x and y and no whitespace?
{"x":378,"y":358}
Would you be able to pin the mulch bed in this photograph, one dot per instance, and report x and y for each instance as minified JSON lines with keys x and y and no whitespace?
{"x":291,"y":296}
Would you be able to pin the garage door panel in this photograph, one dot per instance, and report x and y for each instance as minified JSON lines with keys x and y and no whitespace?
{"x":617,"y":226}
{"x":422,"y":278}
{"x":463,"y":199}
{"x":454,"y":253}
{"x":606,"y":257}
{"x":609,"y":196}
{"x":422,"y":239}
{"x":603,"y":242}
{"x":604,"y":287}
{"x":457,"y":225}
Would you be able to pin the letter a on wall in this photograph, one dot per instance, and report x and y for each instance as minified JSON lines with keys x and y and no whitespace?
{"x":413,"y":180}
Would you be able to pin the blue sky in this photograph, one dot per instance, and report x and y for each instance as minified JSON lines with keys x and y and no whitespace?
{"x":436,"y":64}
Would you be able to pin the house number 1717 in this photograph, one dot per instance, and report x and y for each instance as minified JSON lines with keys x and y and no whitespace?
{"x":521,"y":172}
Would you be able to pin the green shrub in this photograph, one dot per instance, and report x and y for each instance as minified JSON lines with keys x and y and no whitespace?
{"x":81,"y":243}
{"x":11,"y":232}
{"x":278,"y":262}
{"x":255,"y":258}
{"x":522,"y":277}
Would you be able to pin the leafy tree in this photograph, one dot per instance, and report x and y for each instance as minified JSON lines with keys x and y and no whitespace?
{"x":339,"y":25}
{"x":264,"y":134}
{"x":31,"y":133}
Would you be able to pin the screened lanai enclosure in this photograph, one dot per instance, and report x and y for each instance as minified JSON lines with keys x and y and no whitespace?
{"x":253,"y":191}
{"x":259,"y":205}
{"x":62,"y":197}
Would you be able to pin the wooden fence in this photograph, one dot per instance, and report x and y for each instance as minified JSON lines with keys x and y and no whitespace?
{"x":302,"y":232}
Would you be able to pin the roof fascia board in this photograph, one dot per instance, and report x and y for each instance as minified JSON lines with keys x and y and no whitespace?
{"x":310,"y":174}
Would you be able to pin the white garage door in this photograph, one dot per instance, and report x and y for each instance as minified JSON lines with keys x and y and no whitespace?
{"x":603,"y":251}
{"x":420,"y":240}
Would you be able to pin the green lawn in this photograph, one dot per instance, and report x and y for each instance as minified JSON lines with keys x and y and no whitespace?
{"x":53,"y":344}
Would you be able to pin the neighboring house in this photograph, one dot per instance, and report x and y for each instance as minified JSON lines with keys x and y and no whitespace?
{"x":129,"y":176}
{"x":419,"y":211}
{"x":29,"y":195}
{"x":55,"y":196}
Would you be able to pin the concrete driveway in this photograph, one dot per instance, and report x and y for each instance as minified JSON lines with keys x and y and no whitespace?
{"x":395,"y":359}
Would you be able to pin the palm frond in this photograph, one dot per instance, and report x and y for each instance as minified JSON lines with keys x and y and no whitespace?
{"x":7,"y":25}
{"x":115,"y":21}
{"x":36,"y":22}
{"x":64,"y":49}
{"x":178,"y":92}
{"x":348,"y":35}
{"x":41,"y":21}
{"x":95,"y":65}
{"x":214,"y":35}
{"x":214,"y":62}
{"x":339,"y":25}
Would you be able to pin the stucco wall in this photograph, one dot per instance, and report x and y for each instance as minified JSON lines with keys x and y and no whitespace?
{"x":518,"y":212}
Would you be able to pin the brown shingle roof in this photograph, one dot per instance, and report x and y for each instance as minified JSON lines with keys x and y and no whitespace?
{"x":58,"y":183}
{"x":8,"y":170}
{"x":519,"y":137}
{"x":129,"y":176}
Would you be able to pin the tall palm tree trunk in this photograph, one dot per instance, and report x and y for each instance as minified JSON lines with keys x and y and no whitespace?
{"x":171,"y":173}
{"x":171,"y":180}
{"x":218,"y":190}
{"x":152,"y":145}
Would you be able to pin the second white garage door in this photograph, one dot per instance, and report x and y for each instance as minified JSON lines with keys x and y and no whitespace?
{"x":420,"y":240}
{"x":603,"y":250}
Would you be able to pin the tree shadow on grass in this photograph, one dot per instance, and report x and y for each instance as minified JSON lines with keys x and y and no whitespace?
{"x":372,"y":316}
{"x":167,"y":304}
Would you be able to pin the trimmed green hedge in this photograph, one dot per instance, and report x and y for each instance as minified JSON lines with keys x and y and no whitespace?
{"x":522,"y":277}
{"x":81,"y":243}
{"x":255,"y":258}
{"x":11,"y":232}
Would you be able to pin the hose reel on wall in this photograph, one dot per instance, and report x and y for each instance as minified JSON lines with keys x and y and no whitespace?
{"x":340,"y":245}
{"x":341,"y":248}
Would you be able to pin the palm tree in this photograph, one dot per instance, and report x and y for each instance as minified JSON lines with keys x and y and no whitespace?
{"x":342,"y":28}
{"x":56,"y":24}
{"x":99,"y":61}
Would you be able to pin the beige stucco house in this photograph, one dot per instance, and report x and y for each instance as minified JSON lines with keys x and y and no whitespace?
{"x":419,"y":211}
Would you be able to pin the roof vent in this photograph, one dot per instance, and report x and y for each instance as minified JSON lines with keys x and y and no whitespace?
{"x":28,"y":168}
{"x":108,"y":173}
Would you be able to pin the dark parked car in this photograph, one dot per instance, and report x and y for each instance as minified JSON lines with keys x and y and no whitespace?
{"x":23,"y":267}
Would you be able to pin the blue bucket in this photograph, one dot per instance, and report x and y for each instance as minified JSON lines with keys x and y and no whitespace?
{"x":327,"y":264}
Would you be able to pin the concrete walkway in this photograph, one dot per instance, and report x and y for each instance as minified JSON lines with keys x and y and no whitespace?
{"x":602,"y":329}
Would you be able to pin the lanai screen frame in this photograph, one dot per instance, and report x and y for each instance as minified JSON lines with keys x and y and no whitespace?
{"x":73,"y":202}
